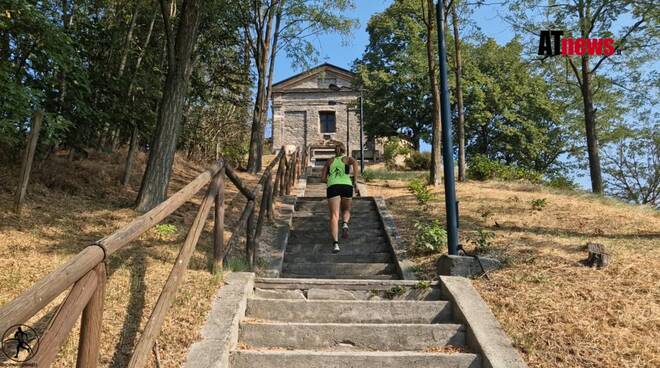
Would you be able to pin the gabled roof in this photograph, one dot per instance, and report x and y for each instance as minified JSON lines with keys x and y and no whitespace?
{"x":325,"y":67}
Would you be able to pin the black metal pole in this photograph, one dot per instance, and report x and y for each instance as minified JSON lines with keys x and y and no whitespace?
{"x":361,"y":132}
{"x":447,"y":151}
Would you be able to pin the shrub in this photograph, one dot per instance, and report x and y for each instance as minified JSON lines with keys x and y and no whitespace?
{"x":165,"y":230}
{"x":431,"y":237}
{"x":482,"y":240}
{"x":483,"y":168}
{"x":368,"y":175}
{"x":538,"y":204}
{"x":562,"y":182}
{"x":419,"y":161}
{"x":393,"y":148}
{"x":421,"y":191}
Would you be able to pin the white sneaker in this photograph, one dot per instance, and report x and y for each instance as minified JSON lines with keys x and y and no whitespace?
{"x":344,"y":231}
{"x":336,"y":248}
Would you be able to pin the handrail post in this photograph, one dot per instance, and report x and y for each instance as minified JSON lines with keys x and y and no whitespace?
{"x":270,"y":194}
{"x":250,"y":233}
{"x":260,"y":220}
{"x":279,"y":178}
{"x":65,"y":319}
{"x":91,"y":324}
{"x":219,"y":224}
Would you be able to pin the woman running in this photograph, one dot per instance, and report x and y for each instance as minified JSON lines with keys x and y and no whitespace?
{"x":336,"y":173}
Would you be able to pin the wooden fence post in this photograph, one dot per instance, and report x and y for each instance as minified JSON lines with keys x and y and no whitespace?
{"x":262,"y":214}
{"x":65,"y":319}
{"x":91,"y":324}
{"x":142,"y":350}
{"x":279,"y":177}
{"x":28,"y":157}
{"x":250,"y":232}
{"x":219,"y":224}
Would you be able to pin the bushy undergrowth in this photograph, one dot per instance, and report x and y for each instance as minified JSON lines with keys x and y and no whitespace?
{"x":482,"y":168}
{"x":421,"y":191}
{"x":418,"y":161}
{"x":431,"y":237}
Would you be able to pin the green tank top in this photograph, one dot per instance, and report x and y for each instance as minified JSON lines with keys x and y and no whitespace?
{"x":337,"y":173}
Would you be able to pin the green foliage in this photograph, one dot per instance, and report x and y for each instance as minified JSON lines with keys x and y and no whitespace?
{"x":422,"y":285}
{"x":379,"y":174}
{"x":538,"y":204}
{"x":393,"y":148}
{"x":394,"y":73}
{"x":368,"y":175}
{"x":238,"y":264}
{"x":421,"y":191}
{"x":394,"y":291}
{"x":561,"y":182}
{"x":481,"y":167}
{"x":419,"y":161}
{"x":431,"y":237}
{"x":482,"y":240}
{"x":165,"y":230}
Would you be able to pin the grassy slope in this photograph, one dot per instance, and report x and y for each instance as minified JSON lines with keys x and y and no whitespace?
{"x":558,"y":313}
{"x":71,"y":204}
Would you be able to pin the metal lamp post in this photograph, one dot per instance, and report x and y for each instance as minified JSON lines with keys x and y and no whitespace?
{"x":447,"y":151}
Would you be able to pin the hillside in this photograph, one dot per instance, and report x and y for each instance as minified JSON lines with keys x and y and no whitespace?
{"x":71,"y":204}
{"x":558,"y":312}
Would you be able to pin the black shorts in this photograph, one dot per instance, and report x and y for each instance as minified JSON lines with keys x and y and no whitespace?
{"x":340,"y":190}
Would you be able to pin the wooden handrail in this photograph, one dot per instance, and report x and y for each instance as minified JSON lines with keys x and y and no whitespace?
{"x":86,"y":270}
{"x":166,"y":298}
{"x":47,"y":288}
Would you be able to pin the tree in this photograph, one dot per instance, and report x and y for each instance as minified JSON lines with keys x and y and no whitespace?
{"x":458,"y":73}
{"x":509,"y":114}
{"x":180,"y":44}
{"x":632,"y":166}
{"x":428,"y":17}
{"x":394,"y":72}
{"x":636,"y":23}
{"x":271,"y":26}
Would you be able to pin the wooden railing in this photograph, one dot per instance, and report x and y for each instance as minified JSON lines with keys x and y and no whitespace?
{"x":85,"y":272}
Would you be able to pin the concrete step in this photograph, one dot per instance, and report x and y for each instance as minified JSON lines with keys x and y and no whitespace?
{"x":323,"y":245}
{"x":324,"y":311}
{"x":321,"y":223}
{"x":335,"y":359}
{"x":322,"y":205}
{"x":322,"y":270}
{"x":359,"y":213}
{"x":356,"y":236}
{"x":394,"y":293}
{"x":343,"y":277}
{"x":340,"y":336}
{"x":328,"y":257}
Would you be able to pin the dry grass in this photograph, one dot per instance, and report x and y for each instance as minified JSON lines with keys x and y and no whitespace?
{"x":71,"y":204}
{"x":558,"y":313}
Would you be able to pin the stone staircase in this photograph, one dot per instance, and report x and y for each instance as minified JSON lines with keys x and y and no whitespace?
{"x":326,"y":323}
{"x":366,"y":254}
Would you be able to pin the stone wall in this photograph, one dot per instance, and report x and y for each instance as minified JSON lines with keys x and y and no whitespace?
{"x":296,"y":118}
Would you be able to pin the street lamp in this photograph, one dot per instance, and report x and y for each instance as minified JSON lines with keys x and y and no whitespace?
{"x":336,"y":88}
{"x":447,"y":154}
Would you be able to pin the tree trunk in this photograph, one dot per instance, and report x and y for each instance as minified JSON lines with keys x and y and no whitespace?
{"x":436,"y":158}
{"x":590,"y":128}
{"x":127,"y":42}
{"x":459,"y":96}
{"x":179,"y":59}
{"x":587,"y":100}
{"x":271,"y":70}
{"x":263,"y":45}
{"x":130,"y":157}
